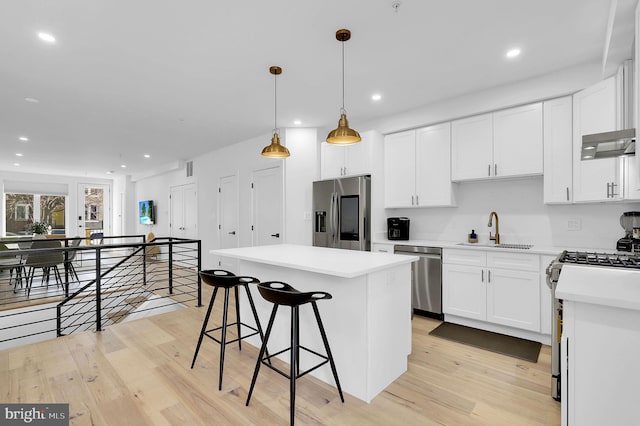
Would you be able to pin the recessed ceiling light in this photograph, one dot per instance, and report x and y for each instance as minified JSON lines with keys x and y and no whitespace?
{"x":589,"y":147}
{"x":586,"y":157}
{"x":147,"y":156}
{"x":513,"y":53}
{"x":18,"y":154}
{"x":47,"y":37}
{"x":376,"y":96}
{"x":23,"y":138}
{"x":32,"y":100}
{"x":16,"y":164}
{"x":297,"y":122}
{"x":110,"y":172}
{"x":124,"y":166}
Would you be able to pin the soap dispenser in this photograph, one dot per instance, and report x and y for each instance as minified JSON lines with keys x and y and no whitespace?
{"x":473,"y":237}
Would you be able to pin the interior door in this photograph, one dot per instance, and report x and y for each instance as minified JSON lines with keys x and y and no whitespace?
{"x":184,"y":211}
{"x":228,"y":205}
{"x":228,"y":218}
{"x":267,"y":206}
{"x":94,"y":209}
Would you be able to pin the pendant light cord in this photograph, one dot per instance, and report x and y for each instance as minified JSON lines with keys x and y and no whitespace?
{"x":275,"y":101}
{"x":342,"y":110}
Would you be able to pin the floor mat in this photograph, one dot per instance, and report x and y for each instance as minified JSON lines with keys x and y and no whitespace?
{"x":494,"y":342}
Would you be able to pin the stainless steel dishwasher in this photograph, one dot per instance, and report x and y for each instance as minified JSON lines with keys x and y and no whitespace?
{"x":426,"y":279}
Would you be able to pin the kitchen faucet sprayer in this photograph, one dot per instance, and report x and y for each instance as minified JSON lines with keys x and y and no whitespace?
{"x":495,"y":238}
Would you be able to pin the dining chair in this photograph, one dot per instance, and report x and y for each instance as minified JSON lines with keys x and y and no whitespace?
{"x":70,"y":258}
{"x":45,"y":260}
{"x":11,"y":260}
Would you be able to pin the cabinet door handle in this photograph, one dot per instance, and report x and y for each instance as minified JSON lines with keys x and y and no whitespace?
{"x":489,"y":276}
{"x":613,"y":188}
{"x":412,"y":200}
{"x":495,"y":169}
{"x":489,"y":170}
{"x":567,"y":193}
{"x":417,"y":201}
{"x":608,"y":189}
{"x":482,"y":276}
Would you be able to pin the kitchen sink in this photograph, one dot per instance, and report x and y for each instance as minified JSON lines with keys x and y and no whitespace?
{"x":501,"y":245}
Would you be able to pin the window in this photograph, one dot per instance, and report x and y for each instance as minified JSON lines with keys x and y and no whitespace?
{"x":24,"y":209}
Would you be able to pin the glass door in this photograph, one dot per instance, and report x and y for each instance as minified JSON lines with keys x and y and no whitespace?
{"x":94,"y":210}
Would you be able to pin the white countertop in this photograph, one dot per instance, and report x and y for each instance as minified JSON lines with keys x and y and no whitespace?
{"x":337,"y":262}
{"x":615,"y":287}
{"x":536,"y":249}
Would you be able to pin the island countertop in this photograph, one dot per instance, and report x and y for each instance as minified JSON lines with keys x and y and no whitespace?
{"x":330,"y":261}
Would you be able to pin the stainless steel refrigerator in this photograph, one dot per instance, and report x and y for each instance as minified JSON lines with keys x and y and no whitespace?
{"x":342,"y":213}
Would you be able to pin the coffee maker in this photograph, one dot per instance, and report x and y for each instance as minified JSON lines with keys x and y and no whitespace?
{"x":630,"y":222}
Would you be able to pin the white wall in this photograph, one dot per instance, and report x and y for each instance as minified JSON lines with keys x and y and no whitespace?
{"x":240,"y":159}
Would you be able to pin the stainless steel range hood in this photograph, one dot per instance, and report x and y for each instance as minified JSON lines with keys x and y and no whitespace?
{"x":608,"y":144}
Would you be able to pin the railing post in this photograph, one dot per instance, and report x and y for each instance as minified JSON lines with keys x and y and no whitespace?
{"x":170,"y":265}
{"x":144,"y":262}
{"x":98,"y":292}
{"x":66,"y":268}
{"x":198,"y":273}
{"x":59,"y":320}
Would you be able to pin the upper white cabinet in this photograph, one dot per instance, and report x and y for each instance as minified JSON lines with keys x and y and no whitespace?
{"x":595,"y":110}
{"x":417,"y":166}
{"x":472,"y":147}
{"x":346,"y":160}
{"x":558,"y":151}
{"x":502,"y":144}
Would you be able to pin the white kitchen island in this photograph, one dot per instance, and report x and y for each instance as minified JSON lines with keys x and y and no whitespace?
{"x":368,"y":320}
{"x":600,"y":345}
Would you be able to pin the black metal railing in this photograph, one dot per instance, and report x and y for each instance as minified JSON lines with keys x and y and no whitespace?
{"x":123,"y":278}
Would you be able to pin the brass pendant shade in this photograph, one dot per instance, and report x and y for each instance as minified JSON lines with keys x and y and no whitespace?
{"x":275,"y":150}
{"x":343,"y":134}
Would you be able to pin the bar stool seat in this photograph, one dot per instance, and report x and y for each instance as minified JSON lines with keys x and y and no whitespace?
{"x":219,"y":278}
{"x":280,"y":293}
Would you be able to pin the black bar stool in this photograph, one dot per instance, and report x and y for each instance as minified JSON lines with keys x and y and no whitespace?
{"x":218,"y":278}
{"x":280,"y":293}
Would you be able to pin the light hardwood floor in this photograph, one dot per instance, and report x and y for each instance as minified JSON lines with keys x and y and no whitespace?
{"x":138,"y":373}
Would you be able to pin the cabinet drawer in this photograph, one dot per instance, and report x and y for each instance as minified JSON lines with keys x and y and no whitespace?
{"x":464,"y":257}
{"x":521,"y":261}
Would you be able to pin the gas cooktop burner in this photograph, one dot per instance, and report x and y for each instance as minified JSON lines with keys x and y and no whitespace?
{"x":601,"y":259}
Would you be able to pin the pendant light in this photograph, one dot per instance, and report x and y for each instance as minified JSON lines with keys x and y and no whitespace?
{"x":343,"y":134}
{"x":275,"y":150}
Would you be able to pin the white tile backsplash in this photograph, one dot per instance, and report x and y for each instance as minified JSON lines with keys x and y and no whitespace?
{"x":524,"y":218}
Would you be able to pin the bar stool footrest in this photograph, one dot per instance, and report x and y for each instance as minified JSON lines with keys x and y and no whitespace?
{"x":255,"y":332}
{"x":267,"y":361}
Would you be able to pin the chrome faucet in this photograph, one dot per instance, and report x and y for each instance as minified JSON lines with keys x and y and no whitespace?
{"x":495,"y":238}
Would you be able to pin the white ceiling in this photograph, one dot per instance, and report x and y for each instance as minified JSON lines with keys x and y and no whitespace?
{"x":176,"y":79}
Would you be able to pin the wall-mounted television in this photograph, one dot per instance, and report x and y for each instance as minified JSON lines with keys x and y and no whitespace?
{"x":146,"y":212}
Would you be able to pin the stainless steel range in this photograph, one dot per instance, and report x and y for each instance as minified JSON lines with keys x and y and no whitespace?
{"x":612,"y":260}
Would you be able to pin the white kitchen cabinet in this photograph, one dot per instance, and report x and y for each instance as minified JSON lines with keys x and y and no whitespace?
{"x":418,"y":168}
{"x":505,"y":143}
{"x":399,"y":169}
{"x":494,"y":286}
{"x":517,"y":141}
{"x":472,"y":147}
{"x":464,"y":291}
{"x":382,"y":248}
{"x":595,"y":110}
{"x":346,"y":160}
{"x":558,"y":150}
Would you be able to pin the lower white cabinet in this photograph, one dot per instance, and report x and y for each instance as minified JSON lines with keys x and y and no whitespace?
{"x":382,"y":248}
{"x":493,"y":286}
